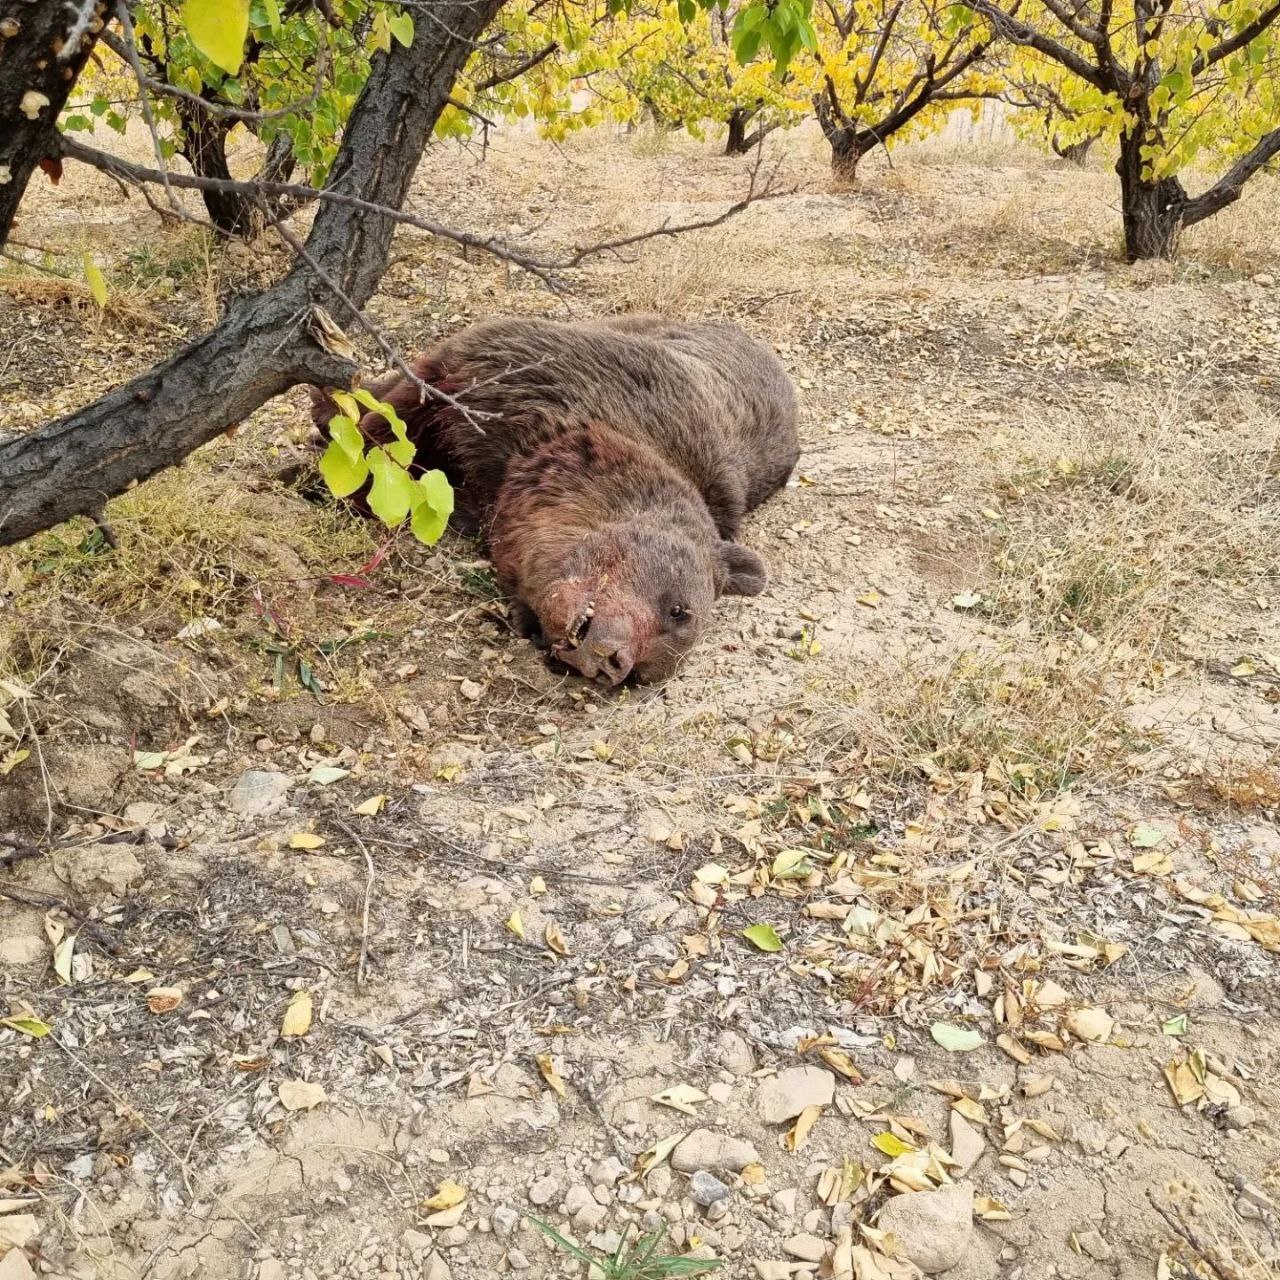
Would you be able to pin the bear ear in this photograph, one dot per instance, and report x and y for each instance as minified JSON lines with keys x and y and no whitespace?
{"x":745,"y":574}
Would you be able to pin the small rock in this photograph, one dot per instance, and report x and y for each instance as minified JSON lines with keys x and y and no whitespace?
{"x":705,"y":1189}
{"x":806,"y":1247}
{"x":773,"y":1270}
{"x":417,"y":1241}
{"x":604,"y":1173}
{"x":271,"y":1269}
{"x":258,"y":792}
{"x":544,"y":1191}
{"x":1264,"y":279}
{"x":17,"y":1230}
{"x":446,"y":1217}
{"x":785,"y":1202}
{"x":1241,"y":1117}
{"x":22,"y":949}
{"x":934,"y":1228}
{"x":505,"y":1221}
{"x":517,"y":1261}
{"x":14,"y":1266}
{"x":967,"y":1144}
{"x":437,"y":1269}
{"x":591,"y":1217}
{"x":734,"y":1054}
{"x":659,"y":1181}
{"x":438,"y":1155}
{"x":577,"y":1198}
{"x":788,"y":1093}
{"x":141,"y":813}
{"x":90,"y":869}
{"x":455,"y":1236}
{"x":1095,"y":1246}
{"x":706,"y":1149}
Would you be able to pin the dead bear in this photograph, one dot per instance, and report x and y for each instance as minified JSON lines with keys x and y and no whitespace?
{"x":609,"y":464}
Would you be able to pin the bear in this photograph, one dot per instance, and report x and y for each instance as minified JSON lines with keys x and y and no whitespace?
{"x":608,"y":465}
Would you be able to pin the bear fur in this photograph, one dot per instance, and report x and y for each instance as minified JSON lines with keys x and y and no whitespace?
{"x":608,"y":464}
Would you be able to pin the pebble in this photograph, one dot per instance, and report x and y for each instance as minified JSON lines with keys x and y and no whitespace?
{"x":22,"y":949}
{"x":706,"y":1149}
{"x":766,"y":1270}
{"x":517,"y":1261}
{"x":806,"y":1247}
{"x":1095,"y":1246}
{"x":446,"y":1217}
{"x":734,"y":1054}
{"x":967,"y":1144}
{"x":934,"y":1228}
{"x":591,"y":1217}
{"x":258,"y":792}
{"x":271,"y":1269}
{"x":788,"y":1093}
{"x":505,"y":1221}
{"x":544,"y":1191}
{"x":417,"y":1241}
{"x":604,"y":1173}
{"x":576,"y":1198}
{"x":1241,"y":1117}
{"x":437,"y":1269}
{"x":705,"y":1189}
{"x":455,"y":1236}
{"x":784,"y":1202}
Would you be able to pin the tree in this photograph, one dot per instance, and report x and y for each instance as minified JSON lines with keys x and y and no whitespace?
{"x":1169,"y":79}
{"x":1033,"y":88}
{"x":887,"y":69}
{"x":286,"y":334}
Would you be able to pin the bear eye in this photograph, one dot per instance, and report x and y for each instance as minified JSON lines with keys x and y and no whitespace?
{"x":678,"y":613}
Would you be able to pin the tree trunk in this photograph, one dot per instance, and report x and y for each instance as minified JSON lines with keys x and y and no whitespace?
{"x":738,"y":142}
{"x":264,"y":345}
{"x":1076,"y":153}
{"x":848,"y":146}
{"x":35,"y":82}
{"x":1153,"y":211}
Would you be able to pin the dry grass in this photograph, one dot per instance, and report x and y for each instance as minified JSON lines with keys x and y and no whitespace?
{"x":1242,"y":238}
{"x":191,"y":541}
{"x":690,"y":277}
{"x":39,"y":291}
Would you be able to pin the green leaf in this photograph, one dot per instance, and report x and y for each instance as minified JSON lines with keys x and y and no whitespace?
{"x":380,"y":32}
{"x":28,"y":1025}
{"x":96,"y":281}
{"x":393,"y":494}
{"x":272,"y":10}
{"x":955,"y":1039}
{"x":401,"y":27}
{"x":433,"y":508}
{"x":342,"y":473}
{"x":325,"y":774}
{"x":218,"y":29}
{"x":764,"y":937}
{"x":1175,"y":1026}
{"x":347,"y":435}
{"x":1145,"y":836}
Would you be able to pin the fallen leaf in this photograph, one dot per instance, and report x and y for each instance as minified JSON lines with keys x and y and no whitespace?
{"x":955,"y":1039}
{"x":1175,"y":1026}
{"x":990,"y":1210}
{"x":1183,"y":1083}
{"x":680,"y":1097}
{"x":297,"y":1016}
{"x":1090,"y":1024}
{"x":1014,"y":1048}
{"x":1143,"y":835}
{"x":537,"y":886}
{"x":840,"y":1061}
{"x":516,"y":925}
{"x":301,"y":1095}
{"x":305,"y":840}
{"x":1154,"y":862}
{"x":325,"y":774}
{"x":657,"y":1153}
{"x":373,"y":805}
{"x":62,"y":958}
{"x":164,"y":999}
{"x":891,"y":1144}
{"x":970,"y":1110}
{"x":448,"y":1194}
{"x":549,"y":1073}
{"x":763,"y":936}
{"x":555,"y":939}
{"x":27,"y":1024}
{"x":799,"y":1135}
{"x":967,"y":600}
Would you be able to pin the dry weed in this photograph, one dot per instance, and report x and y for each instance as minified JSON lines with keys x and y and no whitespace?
{"x":1242,"y":237}
{"x":127,"y":307}
{"x":689,"y":278}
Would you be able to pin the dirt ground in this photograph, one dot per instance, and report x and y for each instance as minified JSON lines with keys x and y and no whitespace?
{"x":338,"y":933}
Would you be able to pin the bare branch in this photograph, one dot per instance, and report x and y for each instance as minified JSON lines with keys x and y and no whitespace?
{"x":85,"y":13}
{"x":515,"y":72}
{"x":1014,"y":29}
{"x":1228,"y":188}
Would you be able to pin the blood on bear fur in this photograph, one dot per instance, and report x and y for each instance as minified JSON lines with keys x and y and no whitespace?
{"x":609,"y":465}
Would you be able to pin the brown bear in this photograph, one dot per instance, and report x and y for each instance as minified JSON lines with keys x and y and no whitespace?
{"x":609,"y":464}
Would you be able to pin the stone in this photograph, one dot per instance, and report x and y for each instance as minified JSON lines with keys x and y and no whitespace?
{"x":258,"y":792}
{"x":787,"y":1094}
{"x":517,"y":1261}
{"x":455,"y":1236}
{"x":705,"y":1189}
{"x":591,"y":1217}
{"x":767,"y":1270}
{"x":14,"y":1266}
{"x":417,"y":1241}
{"x":604,"y":1173}
{"x":967,"y":1145}
{"x":576,"y":1198}
{"x":1241,"y":1117}
{"x":23,"y":949}
{"x":505,"y":1221}
{"x":91,"y":869}
{"x":436,"y":1269}
{"x":934,"y":1228}
{"x":544,"y":1191}
{"x":785,"y":1202}
{"x":447,"y":1217}
{"x":806,"y":1247}
{"x":271,"y":1269}
{"x":17,"y":1230}
{"x":733,"y":1053}
{"x":1095,"y":1246}
{"x":706,"y":1149}
{"x":1264,"y":280}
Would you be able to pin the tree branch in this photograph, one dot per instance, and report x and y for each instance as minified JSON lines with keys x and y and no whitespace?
{"x":1019,"y":32}
{"x":1228,"y":188}
{"x":265,"y":344}
{"x":1238,"y":41}
{"x":514,"y":73}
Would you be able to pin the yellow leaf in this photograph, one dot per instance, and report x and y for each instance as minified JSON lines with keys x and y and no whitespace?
{"x":804,"y":1123}
{"x":970,"y":1110}
{"x":62,"y":958}
{"x":680,"y":1097}
{"x":12,"y":759}
{"x":516,"y":925}
{"x":657,"y":1153}
{"x":871,"y":599}
{"x":297,"y":1016}
{"x":301,"y":1095}
{"x":27,"y":1024}
{"x":305,"y":840}
{"x":555,"y":939}
{"x":448,"y":1194}
{"x":373,"y":805}
{"x":96,"y":281}
{"x":840,"y":1061}
{"x":218,"y":29}
{"x":891,"y":1144}
{"x":1090,"y":1024}
{"x":550,"y":1074}
{"x":991,"y":1210}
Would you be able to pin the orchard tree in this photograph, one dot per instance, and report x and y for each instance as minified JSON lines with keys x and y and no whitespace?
{"x":885,"y":70}
{"x":1042,"y":114}
{"x":1171,"y":81}
{"x":287,"y":334}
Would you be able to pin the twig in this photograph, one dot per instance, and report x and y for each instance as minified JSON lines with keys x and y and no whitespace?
{"x":19,"y":853}
{"x":392,"y":353}
{"x":131,"y":54}
{"x":84,"y":12}
{"x":368,"y":896}
{"x":45,"y":902}
{"x":1185,"y":1233}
